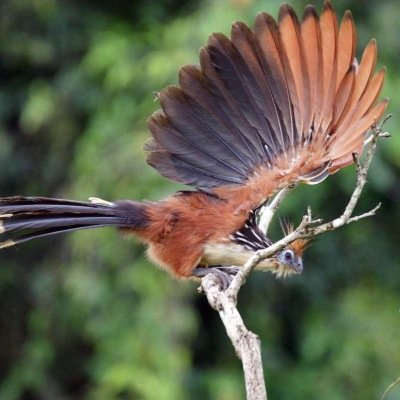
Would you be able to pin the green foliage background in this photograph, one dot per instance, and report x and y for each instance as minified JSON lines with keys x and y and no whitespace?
{"x":86,"y":316}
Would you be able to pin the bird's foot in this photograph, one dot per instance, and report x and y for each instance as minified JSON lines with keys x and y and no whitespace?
{"x":222,"y":273}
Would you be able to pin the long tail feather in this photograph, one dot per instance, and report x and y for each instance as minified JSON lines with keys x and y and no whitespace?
{"x":26,"y":218}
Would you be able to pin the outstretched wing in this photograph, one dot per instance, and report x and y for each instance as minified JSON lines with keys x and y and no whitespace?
{"x":289,"y":95}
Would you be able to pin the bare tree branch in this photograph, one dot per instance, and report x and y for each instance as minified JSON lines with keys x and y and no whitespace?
{"x":389,"y":388}
{"x":246,"y":343}
{"x":267,"y":211}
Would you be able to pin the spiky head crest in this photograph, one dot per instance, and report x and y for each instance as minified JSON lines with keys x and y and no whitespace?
{"x":299,"y":245}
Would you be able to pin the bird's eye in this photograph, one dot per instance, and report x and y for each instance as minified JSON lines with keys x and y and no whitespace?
{"x":288,"y":255}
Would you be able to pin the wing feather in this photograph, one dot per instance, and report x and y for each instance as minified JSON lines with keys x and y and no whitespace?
{"x":227,"y":103}
{"x":346,"y":47}
{"x":343,"y":96}
{"x":365,"y":70}
{"x":311,"y":37}
{"x":362,"y":106}
{"x":295,"y":67}
{"x":343,"y":152}
{"x":287,"y":101}
{"x":194,"y":85}
{"x":328,"y":24}
{"x":244,"y":41}
{"x":268,"y":50}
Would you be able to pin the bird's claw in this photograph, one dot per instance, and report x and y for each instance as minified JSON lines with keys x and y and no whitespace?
{"x":223,"y":274}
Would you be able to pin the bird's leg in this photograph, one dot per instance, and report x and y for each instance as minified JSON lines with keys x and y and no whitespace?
{"x":224,"y":273}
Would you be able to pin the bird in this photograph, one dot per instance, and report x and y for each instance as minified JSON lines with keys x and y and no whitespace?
{"x":282,"y":103}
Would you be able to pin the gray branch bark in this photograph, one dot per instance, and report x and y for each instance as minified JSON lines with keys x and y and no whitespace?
{"x":247,"y":344}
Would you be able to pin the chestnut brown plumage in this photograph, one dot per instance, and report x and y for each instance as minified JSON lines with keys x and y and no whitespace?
{"x":286,"y":102}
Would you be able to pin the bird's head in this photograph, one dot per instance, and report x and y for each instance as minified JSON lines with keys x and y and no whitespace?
{"x":289,"y":261}
{"x":250,"y":239}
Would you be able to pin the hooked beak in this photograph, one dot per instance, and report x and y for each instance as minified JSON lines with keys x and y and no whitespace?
{"x":297,"y":265}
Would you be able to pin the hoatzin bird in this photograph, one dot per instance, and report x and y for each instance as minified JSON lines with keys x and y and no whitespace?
{"x":284,"y":103}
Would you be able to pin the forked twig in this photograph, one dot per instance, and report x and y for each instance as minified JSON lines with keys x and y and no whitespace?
{"x":307,"y":228}
{"x":247,"y":344}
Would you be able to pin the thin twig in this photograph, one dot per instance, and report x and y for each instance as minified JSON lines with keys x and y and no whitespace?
{"x":306,"y":229}
{"x":381,"y":133}
{"x":246,"y":343}
{"x":267,"y":211}
{"x":389,"y":388}
{"x":241,"y":276}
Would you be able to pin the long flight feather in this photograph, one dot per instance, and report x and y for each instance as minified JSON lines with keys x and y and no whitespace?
{"x":267,"y":38}
{"x":295,"y":67}
{"x":328,"y":25}
{"x":346,"y":47}
{"x":311,"y":37}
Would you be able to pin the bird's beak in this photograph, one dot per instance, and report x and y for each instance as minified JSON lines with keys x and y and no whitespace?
{"x":297,"y":265}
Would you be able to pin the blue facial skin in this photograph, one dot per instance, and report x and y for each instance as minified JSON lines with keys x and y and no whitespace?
{"x":289,"y":259}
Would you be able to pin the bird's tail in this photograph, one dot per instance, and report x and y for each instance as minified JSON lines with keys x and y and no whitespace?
{"x":26,"y":218}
